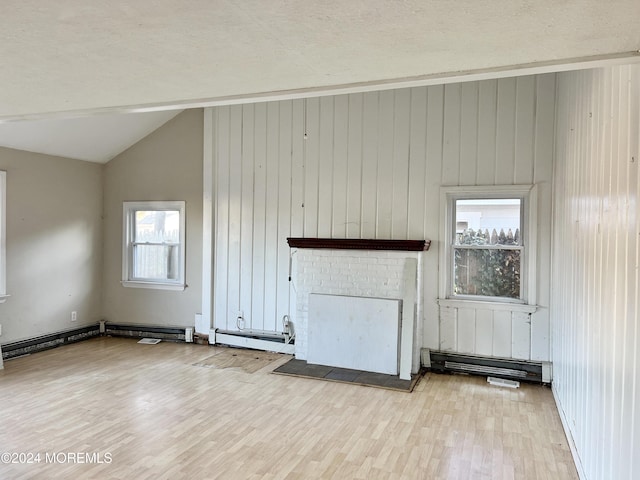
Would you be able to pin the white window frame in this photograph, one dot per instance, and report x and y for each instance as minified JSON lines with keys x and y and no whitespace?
{"x":528,"y":195}
{"x":128,"y":229}
{"x":3,"y":236}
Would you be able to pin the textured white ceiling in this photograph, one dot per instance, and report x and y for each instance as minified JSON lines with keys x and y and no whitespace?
{"x":73,"y":57}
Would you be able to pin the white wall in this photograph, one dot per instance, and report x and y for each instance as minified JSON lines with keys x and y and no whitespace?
{"x":371,"y":166}
{"x":596,"y":289}
{"x":54,"y":244}
{"x":166,"y":165}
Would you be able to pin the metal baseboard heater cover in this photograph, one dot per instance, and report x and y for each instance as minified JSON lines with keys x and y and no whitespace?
{"x":53,"y":340}
{"x":177,"y":334}
{"x":495,"y":367}
{"x":259,"y":340}
{"x":45,"y":342}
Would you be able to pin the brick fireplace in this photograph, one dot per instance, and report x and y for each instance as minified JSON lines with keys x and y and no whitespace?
{"x":374,"y":269}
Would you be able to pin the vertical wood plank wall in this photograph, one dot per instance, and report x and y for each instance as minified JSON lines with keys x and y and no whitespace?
{"x":370,"y":165}
{"x":596,"y":286}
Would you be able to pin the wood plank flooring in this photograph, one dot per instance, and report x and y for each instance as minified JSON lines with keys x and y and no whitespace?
{"x":156,"y":415}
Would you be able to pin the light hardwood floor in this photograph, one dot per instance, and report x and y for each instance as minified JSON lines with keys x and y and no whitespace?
{"x":159,"y":416}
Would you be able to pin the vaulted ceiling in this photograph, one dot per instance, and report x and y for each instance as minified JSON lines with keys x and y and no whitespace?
{"x":72,"y":58}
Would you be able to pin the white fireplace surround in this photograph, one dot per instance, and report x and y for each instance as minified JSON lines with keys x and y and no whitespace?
{"x":361,"y":273}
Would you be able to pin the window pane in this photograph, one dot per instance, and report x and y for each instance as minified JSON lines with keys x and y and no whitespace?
{"x":157,"y":226}
{"x":490,"y":221}
{"x":156,"y":262}
{"x":488,"y":272}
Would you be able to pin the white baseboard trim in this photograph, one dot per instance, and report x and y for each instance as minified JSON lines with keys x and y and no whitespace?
{"x":569,"y":436}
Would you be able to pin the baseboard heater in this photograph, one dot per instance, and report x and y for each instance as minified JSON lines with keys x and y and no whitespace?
{"x":271,"y":342}
{"x":502,"y":368}
{"x":45,"y":342}
{"x":176,"y":334}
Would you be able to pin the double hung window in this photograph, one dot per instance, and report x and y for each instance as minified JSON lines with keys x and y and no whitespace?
{"x":154,"y":245}
{"x":487,"y":248}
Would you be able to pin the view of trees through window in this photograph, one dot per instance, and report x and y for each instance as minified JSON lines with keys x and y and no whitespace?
{"x":487,"y":247}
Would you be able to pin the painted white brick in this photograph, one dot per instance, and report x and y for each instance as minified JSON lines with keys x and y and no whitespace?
{"x":368,"y":260}
{"x":343,"y":272}
{"x":377,"y":268}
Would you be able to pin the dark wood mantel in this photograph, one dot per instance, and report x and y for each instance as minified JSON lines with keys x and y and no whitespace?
{"x":359,"y":244}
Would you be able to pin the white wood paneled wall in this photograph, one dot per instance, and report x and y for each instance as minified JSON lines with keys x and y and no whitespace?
{"x":486,"y":332}
{"x":596,"y":288}
{"x":368,"y":165}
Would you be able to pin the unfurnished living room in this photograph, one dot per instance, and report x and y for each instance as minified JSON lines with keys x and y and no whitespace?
{"x":333,"y":240}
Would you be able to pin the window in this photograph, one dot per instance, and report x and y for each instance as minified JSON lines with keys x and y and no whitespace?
{"x":487,"y":252}
{"x":487,"y":249}
{"x":3,"y":237}
{"x":154,"y":245}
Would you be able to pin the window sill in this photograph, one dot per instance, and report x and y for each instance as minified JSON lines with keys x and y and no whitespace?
{"x":154,"y":285}
{"x":512,"y":307}
{"x":3,"y":298}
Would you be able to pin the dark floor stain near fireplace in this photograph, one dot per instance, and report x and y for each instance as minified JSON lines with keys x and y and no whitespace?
{"x":300,"y":368}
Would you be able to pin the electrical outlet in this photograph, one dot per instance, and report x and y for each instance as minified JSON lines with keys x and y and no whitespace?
{"x":74,"y":316}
